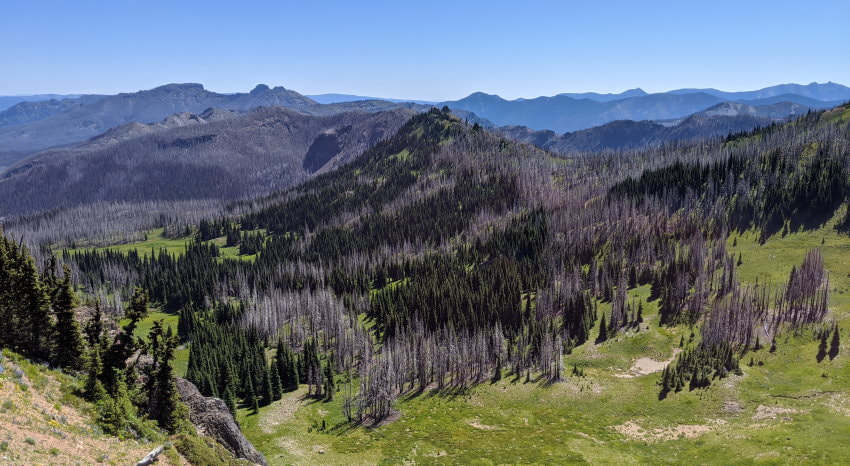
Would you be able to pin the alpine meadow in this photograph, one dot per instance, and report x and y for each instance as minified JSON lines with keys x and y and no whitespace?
{"x":273,"y":277}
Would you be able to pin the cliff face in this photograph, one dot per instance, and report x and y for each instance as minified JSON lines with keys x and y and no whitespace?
{"x":211,"y":417}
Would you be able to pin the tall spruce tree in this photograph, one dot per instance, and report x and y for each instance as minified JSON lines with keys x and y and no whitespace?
{"x":68,"y":350}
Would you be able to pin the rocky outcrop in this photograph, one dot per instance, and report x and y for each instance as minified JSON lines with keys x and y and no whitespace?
{"x":211,"y":417}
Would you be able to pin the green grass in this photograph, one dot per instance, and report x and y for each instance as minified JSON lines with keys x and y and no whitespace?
{"x":574,"y":421}
{"x":156,"y":242}
{"x":181,"y":356}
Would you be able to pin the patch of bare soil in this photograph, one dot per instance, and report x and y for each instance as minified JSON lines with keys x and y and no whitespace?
{"x":634,"y":431}
{"x":774,"y":412}
{"x":646,"y":366}
{"x":480,"y":426}
{"x":281,"y":411}
{"x":732,"y":407}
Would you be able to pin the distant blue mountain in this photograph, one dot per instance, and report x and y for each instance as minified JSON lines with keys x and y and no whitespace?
{"x":572,"y":112}
{"x":829,"y":91}
{"x":7,"y":101}
{"x":342,"y":98}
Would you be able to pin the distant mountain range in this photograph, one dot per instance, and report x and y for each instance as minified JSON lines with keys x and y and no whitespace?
{"x":572,"y":112}
{"x":720,"y":120}
{"x":340,"y":98}
{"x":7,"y":101}
{"x":30,"y":126}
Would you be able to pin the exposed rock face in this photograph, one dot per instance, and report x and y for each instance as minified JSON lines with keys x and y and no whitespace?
{"x":211,"y":417}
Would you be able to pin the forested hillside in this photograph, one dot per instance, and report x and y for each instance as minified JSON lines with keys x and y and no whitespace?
{"x":448,"y":261}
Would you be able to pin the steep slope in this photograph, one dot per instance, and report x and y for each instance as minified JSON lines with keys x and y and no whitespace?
{"x":45,"y":423}
{"x":213,"y":155}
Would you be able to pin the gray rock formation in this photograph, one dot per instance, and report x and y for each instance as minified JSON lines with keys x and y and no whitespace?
{"x":211,"y":418}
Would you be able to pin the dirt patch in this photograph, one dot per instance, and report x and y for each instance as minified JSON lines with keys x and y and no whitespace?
{"x":774,"y":412}
{"x":281,"y":411}
{"x":837,"y":403}
{"x":634,"y":431}
{"x":732,"y":407}
{"x":480,"y":426}
{"x":646,"y":366}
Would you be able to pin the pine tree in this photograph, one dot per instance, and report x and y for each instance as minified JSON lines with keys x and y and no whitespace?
{"x":94,"y":327}
{"x":329,"y":384}
{"x":164,"y":400}
{"x":230,"y":400}
{"x":93,"y":389}
{"x":267,"y":392}
{"x":33,"y":311}
{"x":251,"y":398}
{"x":277,"y":387}
{"x":68,"y":349}
{"x":603,"y":331}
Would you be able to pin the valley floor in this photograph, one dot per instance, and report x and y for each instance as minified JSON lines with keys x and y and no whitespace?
{"x":785,"y":408}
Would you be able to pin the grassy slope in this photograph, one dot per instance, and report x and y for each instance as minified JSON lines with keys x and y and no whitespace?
{"x":43,"y":422}
{"x":790,"y":408}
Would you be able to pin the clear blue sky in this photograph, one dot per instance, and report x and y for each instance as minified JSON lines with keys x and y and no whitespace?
{"x":431,"y":50}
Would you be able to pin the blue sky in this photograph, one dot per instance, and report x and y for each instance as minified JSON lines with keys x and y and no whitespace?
{"x":430,"y":50}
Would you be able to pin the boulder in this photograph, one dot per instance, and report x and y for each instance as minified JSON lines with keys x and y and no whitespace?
{"x":211,"y":417}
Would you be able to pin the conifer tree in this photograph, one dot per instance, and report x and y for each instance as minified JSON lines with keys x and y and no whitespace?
{"x":603,"y":331}
{"x":251,"y":398}
{"x":34,"y":311}
{"x":93,"y":388}
{"x":267,"y":392}
{"x":277,"y":387}
{"x":329,"y":384}
{"x":230,"y":400}
{"x":68,"y":349}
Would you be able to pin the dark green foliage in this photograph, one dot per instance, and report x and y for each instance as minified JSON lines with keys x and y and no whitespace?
{"x":603,"y":331}
{"x":329,"y":384}
{"x":287,"y":367}
{"x":697,"y":367}
{"x":163,"y":398}
{"x":69,"y":343}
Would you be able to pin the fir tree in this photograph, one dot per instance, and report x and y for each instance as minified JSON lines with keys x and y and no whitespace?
{"x":230,"y":400}
{"x":329,"y":384}
{"x":251,"y":398}
{"x":267,"y":392}
{"x":277,"y":387}
{"x":603,"y":331}
{"x":93,"y":388}
{"x":68,"y":350}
